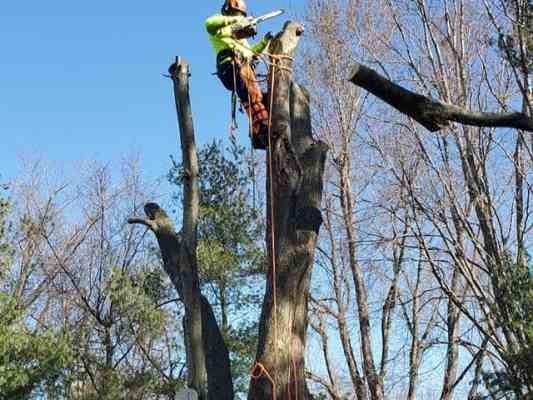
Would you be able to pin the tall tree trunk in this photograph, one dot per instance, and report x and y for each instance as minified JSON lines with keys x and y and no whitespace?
{"x":107,"y":379}
{"x":413,"y":324}
{"x":452,"y":357}
{"x":358,"y":382}
{"x":347,"y":203}
{"x":295,"y":164}
{"x":190,"y":285}
{"x":208,"y":364}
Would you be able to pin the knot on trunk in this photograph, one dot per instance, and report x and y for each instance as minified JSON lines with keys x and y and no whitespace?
{"x":309,"y":219}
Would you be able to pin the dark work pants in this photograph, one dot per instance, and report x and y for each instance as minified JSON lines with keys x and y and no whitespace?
{"x":240,"y":77}
{"x":231,"y":79}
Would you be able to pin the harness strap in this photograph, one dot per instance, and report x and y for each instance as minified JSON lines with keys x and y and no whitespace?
{"x":225,"y":56}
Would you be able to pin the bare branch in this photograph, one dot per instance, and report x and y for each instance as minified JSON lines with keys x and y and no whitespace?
{"x":141,"y":221}
{"x":430,"y":113}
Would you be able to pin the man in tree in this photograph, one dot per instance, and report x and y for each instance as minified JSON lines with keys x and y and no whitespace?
{"x":235,"y":62}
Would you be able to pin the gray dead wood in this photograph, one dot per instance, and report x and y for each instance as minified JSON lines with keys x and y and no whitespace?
{"x":208,"y":364}
{"x":430,"y":113}
{"x":298,"y":163}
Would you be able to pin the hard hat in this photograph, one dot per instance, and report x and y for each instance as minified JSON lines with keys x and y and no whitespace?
{"x":234,"y":5}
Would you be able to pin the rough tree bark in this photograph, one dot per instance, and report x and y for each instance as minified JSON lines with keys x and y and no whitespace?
{"x":375,"y":382}
{"x":296,"y":162}
{"x":452,"y":356}
{"x":430,"y":113}
{"x":208,"y":362}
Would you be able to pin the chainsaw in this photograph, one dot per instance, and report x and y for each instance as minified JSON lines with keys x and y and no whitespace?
{"x":248,"y":27}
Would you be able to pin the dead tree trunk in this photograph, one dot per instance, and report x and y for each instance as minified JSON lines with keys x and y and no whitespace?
{"x":295,"y":168}
{"x":208,"y":364}
{"x":296,"y":164}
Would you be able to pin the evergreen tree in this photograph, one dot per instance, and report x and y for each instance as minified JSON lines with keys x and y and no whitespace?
{"x":31,"y":360}
{"x":514,"y":290}
{"x":229,"y":253}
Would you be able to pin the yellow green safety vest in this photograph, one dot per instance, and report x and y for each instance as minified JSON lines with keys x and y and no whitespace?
{"x":219,"y":29}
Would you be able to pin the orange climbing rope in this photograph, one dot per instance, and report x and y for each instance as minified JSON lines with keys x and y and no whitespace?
{"x":258,"y":371}
{"x":292,"y":362}
{"x":262,"y":371}
{"x":272,"y":220}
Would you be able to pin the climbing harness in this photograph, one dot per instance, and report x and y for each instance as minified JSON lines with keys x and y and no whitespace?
{"x":272,"y":216}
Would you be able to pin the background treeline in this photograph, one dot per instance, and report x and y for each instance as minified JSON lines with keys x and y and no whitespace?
{"x":423,"y":284}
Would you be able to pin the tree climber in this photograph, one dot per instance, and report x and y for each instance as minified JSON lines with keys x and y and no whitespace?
{"x":235,"y":62}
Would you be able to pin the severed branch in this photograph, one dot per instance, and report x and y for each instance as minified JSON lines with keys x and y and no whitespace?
{"x":430,"y":113}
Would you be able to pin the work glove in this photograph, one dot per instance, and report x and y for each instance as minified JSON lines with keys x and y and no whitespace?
{"x":244,"y":32}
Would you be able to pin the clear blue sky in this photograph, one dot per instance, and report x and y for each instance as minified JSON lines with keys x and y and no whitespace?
{"x":82,"y":79}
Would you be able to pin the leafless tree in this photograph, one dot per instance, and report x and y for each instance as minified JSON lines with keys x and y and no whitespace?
{"x":462,"y":215}
{"x":71,"y":246}
{"x":398,"y":190}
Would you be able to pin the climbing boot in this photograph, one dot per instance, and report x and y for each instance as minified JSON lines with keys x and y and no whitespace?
{"x":260,"y":138}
